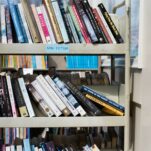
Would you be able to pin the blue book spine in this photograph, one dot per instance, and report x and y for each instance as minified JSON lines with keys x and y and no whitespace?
{"x":26,"y":145}
{"x":16,"y":23}
{"x":21,"y":24}
{"x":34,"y":62}
{"x":32,"y":147}
{"x":103,"y":98}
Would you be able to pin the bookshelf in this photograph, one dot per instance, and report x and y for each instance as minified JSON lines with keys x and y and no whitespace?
{"x":76,"y":49}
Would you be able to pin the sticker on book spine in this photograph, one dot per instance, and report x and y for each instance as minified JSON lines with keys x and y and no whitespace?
{"x":57,"y":48}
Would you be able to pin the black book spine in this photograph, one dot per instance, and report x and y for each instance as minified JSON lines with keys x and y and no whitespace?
{"x":98,"y":31}
{"x":3,"y":107}
{"x":66,"y":22}
{"x":6,"y":97}
{"x":86,"y":103}
{"x":86,"y":21}
{"x":111,"y":24}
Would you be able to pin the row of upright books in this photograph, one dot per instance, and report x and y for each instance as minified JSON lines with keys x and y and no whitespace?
{"x":57,"y":21}
{"x":38,"y":95}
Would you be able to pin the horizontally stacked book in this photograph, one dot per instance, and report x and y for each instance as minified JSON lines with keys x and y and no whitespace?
{"x":31,"y":96}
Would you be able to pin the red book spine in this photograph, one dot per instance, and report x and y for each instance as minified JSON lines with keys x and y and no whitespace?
{"x":100,"y":22}
{"x":82,"y":26}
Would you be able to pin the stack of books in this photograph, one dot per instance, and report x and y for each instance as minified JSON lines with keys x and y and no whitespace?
{"x":33,"y":95}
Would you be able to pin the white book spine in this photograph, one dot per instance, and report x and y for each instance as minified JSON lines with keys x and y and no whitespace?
{"x":106,"y":25}
{"x":26,"y":97}
{"x":3,"y":25}
{"x":44,"y":95}
{"x":33,"y":7}
{"x":48,"y":89}
{"x":19,"y":148}
{"x":36,"y":149}
{"x":38,"y":62}
{"x":7,"y":148}
{"x":45,"y":29}
{"x":40,"y":149}
{"x":12,"y":148}
{"x":17,"y":132}
{"x":24,"y":22}
{"x":43,"y":9}
{"x":60,"y":21}
{"x":62,"y":96}
{"x":11,"y":96}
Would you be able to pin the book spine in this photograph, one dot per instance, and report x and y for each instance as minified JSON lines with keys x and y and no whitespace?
{"x":51,"y":93}
{"x":17,"y":26}
{"x":11,"y":96}
{"x":43,"y":24}
{"x":86,"y":21}
{"x":111,"y":110}
{"x":33,"y":8}
{"x":111,"y":24}
{"x":73,"y":28}
{"x":26,"y":143}
{"x":24,"y":22}
{"x":19,"y":148}
{"x":26,"y":97}
{"x":81,"y":24}
{"x":6,"y":97}
{"x":52,"y":37}
{"x":69,"y":96}
{"x":103,"y":98}
{"x":21,"y":24}
{"x":8,"y":26}
{"x":101,"y":24}
{"x":40,"y":100}
{"x":44,"y":95}
{"x":19,"y":98}
{"x":62,"y":96}
{"x":31,"y":22}
{"x":76,"y":24}
{"x":60,"y":21}
{"x":3,"y":24}
{"x":83,"y":100}
{"x":98,"y":31}
{"x":53,"y":20}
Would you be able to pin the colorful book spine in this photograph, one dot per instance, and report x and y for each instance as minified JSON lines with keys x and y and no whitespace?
{"x":33,"y":8}
{"x":11,"y":96}
{"x":111,"y":24}
{"x":59,"y":18}
{"x":43,"y":24}
{"x":103,"y":98}
{"x":3,"y":24}
{"x":47,"y":99}
{"x":26,"y":97}
{"x":8,"y":26}
{"x":24,"y":22}
{"x":52,"y":37}
{"x":16,"y":23}
{"x":81,"y":24}
{"x":108,"y":109}
{"x":62,"y":96}
{"x":69,"y":96}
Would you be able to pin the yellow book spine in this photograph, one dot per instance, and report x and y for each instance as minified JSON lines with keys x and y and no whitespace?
{"x":43,"y":62}
{"x":53,"y":20}
{"x":109,"y":109}
{"x":23,"y":111}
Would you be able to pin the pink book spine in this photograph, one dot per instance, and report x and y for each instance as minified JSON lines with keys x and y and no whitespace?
{"x":33,"y":7}
{"x":82,"y":26}
{"x":43,"y":24}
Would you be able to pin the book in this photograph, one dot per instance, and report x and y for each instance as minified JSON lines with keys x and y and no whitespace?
{"x":69,"y":96}
{"x":3,"y":24}
{"x":26,"y":143}
{"x":19,"y":98}
{"x":16,"y":23}
{"x":43,"y":106}
{"x":86,"y":103}
{"x":53,"y":20}
{"x":60,"y":21}
{"x":61,"y":95}
{"x":47,"y":99}
{"x":53,"y":96}
{"x":19,"y":148}
{"x":111,"y":24}
{"x":26,"y":97}
{"x":103,"y":98}
{"x":7,"y":148}
{"x":31,"y":22}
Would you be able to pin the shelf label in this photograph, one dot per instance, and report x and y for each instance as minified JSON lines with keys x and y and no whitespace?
{"x":57,"y":48}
